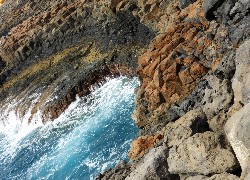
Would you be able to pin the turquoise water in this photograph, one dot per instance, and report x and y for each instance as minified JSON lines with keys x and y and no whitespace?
{"x":92,"y":135}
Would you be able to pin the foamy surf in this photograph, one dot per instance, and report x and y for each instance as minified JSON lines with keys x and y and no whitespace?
{"x":92,"y":135}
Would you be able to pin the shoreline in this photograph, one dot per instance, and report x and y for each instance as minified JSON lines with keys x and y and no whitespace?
{"x":192,"y":58}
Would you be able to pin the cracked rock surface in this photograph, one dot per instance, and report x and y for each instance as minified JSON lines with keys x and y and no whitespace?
{"x":192,"y":58}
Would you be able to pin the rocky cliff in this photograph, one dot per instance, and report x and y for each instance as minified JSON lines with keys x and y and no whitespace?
{"x":71,"y":45}
{"x":192,"y":57}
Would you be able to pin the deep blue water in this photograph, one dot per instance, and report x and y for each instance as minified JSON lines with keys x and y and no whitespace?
{"x":92,"y":135}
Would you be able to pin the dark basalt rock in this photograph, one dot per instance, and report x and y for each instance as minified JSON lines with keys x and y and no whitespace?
{"x":119,"y":172}
{"x":187,"y":62}
{"x":210,"y":6}
{"x":72,"y":38}
{"x":185,"y":3}
{"x":2,"y":64}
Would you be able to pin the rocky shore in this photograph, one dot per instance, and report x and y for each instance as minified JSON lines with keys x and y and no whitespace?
{"x":192,"y":57}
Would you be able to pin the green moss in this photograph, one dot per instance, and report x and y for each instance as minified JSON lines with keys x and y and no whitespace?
{"x":50,"y":72}
{"x":75,"y":55}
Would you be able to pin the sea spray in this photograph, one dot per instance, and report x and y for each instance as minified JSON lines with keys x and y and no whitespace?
{"x":93,"y":134}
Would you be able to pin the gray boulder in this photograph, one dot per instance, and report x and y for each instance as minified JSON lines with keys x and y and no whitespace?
{"x":218,"y":96}
{"x":237,"y":131}
{"x":223,"y":176}
{"x":186,"y":3}
{"x":241,"y":80}
{"x":191,"y":123}
{"x":210,"y":6}
{"x":153,"y":166}
{"x":203,"y":153}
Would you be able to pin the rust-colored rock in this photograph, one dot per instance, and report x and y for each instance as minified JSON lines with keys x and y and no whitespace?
{"x":177,"y":59}
{"x":142,"y":144}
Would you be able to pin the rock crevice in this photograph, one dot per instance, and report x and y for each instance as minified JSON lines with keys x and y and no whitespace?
{"x":192,"y":58}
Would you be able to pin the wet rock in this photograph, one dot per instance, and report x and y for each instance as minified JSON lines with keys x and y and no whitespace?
{"x":119,"y":172}
{"x":66,"y":39}
{"x":203,"y":153}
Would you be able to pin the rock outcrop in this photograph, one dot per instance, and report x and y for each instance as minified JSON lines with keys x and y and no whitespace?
{"x":203,"y":153}
{"x":141,"y":144}
{"x":192,"y":57}
{"x":223,"y":176}
{"x":192,"y":84}
{"x":153,"y":166}
{"x":65,"y":40}
{"x":237,"y":126}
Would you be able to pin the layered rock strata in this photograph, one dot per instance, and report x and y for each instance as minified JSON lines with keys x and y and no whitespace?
{"x":192,"y":58}
{"x":65,"y":48}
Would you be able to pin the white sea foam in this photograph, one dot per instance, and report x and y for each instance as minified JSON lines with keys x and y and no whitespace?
{"x":64,"y":141}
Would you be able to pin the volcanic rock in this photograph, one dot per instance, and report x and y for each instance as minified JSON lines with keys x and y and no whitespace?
{"x":223,"y":176}
{"x":241,"y":83}
{"x":192,"y":58}
{"x":142,"y":144}
{"x":153,"y":166}
{"x":203,"y":153}
{"x":237,"y":131}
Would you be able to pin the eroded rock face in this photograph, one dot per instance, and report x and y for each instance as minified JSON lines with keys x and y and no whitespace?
{"x":192,"y":58}
{"x":237,"y":130}
{"x":210,"y":6}
{"x":191,"y":123}
{"x":241,"y":83}
{"x":218,"y":96}
{"x":142,"y":144}
{"x":78,"y":39}
{"x":237,"y":126}
{"x":192,"y":84}
{"x":202,"y":153}
{"x":223,"y":176}
{"x":187,"y":92}
{"x":153,"y":166}
{"x":174,"y":64}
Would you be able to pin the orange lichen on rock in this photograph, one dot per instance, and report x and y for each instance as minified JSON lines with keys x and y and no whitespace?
{"x":175,"y":62}
{"x":142,"y":144}
{"x":176,"y":59}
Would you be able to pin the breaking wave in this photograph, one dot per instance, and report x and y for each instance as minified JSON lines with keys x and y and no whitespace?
{"x":92,"y":135}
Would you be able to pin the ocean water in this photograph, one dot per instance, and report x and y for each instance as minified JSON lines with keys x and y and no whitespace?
{"x":91,"y":136}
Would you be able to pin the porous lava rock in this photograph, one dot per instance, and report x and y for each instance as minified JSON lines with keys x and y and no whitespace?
{"x":202,"y":153}
{"x":192,"y":58}
{"x":63,"y":49}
